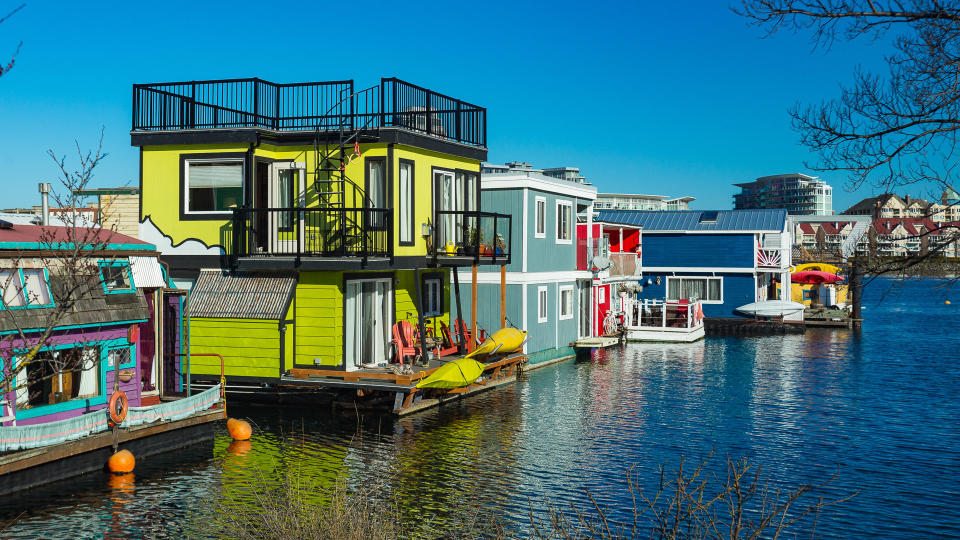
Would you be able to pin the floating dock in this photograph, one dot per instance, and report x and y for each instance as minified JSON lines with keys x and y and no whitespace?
{"x":30,"y":468}
{"x":601,"y":342}
{"x":389,"y":386}
{"x":736,"y":326}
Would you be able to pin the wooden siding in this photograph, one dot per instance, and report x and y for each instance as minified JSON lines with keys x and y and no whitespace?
{"x":508,"y":201}
{"x":250,"y":347}
{"x":121,"y":213}
{"x":698,"y":250}
{"x":319,"y":318}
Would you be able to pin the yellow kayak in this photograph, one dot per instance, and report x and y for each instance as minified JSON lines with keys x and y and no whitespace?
{"x":460,"y":372}
{"x":504,"y":340}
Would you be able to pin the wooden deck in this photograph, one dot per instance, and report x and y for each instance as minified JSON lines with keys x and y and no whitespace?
{"x":28,"y":468}
{"x":401,"y":386}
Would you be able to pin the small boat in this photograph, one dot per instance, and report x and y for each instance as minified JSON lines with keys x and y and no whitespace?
{"x":771,"y":308}
{"x":504,"y":340}
{"x":815,"y":276}
{"x":460,"y":372}
{"x":816,"y":267}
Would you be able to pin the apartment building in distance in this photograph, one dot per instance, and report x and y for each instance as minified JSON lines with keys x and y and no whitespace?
{"x":637,"y":201}
{"x":570,"y":174}
{"x":798,"y":194}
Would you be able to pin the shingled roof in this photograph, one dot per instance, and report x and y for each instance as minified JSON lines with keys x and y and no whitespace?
{"x":242,"y":295}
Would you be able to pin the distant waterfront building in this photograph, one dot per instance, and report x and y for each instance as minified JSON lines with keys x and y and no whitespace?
{"x":890,"y":205}
{"x":570,"y":174}
{"x":796,"y":193}
{"x":636,"y":201}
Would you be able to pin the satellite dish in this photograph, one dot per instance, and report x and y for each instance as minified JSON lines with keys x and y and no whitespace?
{"x":602,"y":263}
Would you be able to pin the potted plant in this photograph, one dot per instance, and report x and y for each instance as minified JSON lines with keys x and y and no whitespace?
{"x":472,"y":241}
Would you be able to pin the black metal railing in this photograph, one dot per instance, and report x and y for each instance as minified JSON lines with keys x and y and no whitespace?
{"x":331,"y":105}
{"x":485,"y":236}
{"x":312,"y":232}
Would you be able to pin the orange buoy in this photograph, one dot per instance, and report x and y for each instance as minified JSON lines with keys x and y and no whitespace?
{"x":121,"y":462}
{"x":118,"y":407}
{"x":947,"y":302}
{"x":239,"y":430}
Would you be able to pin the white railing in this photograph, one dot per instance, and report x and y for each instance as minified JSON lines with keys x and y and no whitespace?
{"x":650,"y":313}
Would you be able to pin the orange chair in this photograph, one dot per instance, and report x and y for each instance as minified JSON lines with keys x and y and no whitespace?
{"x":457,"y":324}
{"x":404,"y":338}
{"x":448,"y":344}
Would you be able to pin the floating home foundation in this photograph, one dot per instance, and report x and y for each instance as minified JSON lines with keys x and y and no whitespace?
{"x":730,"y":326}
{"x":380,"y":388}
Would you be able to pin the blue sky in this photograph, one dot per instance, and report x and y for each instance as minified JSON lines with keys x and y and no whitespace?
{"x":678,"y":99}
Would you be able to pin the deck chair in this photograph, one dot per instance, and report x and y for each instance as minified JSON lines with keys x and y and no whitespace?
{"x":404,"y":337}
{"x":448,"y":343}
{"x":466,"y":333}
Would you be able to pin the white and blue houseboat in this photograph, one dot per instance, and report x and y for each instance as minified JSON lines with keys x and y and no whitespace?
{"x":724,"y":259}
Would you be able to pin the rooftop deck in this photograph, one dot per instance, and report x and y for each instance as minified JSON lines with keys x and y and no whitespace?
{"x":306,"y":107}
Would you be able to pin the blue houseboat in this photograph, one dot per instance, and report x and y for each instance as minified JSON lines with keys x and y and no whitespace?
{"x":547,"y":295}
{"x":724,"y":258}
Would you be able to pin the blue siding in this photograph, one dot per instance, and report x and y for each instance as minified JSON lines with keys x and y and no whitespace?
{"x":547,"y":340}
{"x":507,"y":201}
{"x":488,"y":306}
{"x":738,"y":289}
{"x":543,"y":254}
{"x":698,"y":250}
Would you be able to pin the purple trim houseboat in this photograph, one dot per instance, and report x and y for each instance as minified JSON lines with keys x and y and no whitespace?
{"x":81,"y":320}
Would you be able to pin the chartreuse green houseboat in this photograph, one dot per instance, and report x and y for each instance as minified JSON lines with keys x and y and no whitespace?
{"x":307,"y":219}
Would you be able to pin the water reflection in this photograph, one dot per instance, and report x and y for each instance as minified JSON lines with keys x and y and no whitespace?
{"x":881,"y":404}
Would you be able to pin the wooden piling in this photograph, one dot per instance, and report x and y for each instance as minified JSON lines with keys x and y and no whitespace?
{"x":473,"y":308}
{"x":856,"y":290}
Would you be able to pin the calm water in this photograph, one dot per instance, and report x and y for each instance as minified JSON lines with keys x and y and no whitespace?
{"x":882,"y":406}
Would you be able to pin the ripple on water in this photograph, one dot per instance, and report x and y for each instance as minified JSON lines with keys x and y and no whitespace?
{"x":880,"y":407}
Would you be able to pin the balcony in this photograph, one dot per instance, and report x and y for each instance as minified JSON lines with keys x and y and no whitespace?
{"x":312,"y":232}
{"x":625,"y":265}
{"x":463,"y":236}
{"x":306,"y":107}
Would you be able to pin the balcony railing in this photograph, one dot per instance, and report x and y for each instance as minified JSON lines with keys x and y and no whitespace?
{"x":484,"y":236}
{"x":312,"y":232}
{"x":323,"y":106}
{"x":624,"y":265}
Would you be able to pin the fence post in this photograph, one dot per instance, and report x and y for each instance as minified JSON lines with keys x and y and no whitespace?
{"x":429,"y":116}
{"x":256,"y":102}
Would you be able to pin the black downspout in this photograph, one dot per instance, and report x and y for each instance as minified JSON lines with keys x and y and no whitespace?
{"x":456,"y":294}
{"x":418,"y":301}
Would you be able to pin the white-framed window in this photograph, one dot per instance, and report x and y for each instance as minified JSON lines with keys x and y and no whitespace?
{"x":405,"y":185}
{"x":541,"y":304}
{"x":540,"y":217}
{"x":213,"y":186}
{"x":25,"y":288}
{"x":564,"y":222}
{"x":566,"y":302}
{"x":709,"y":290}
{"x":601,"y":295}
{"x":432,"y":297}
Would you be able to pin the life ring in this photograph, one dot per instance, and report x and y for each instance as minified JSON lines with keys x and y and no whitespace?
{"x":118,"y":407}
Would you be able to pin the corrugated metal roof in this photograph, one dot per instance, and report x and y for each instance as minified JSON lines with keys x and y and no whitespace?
{"x":690,"y":220}
{"x":250,"y":295}
{"x":147,"y":272}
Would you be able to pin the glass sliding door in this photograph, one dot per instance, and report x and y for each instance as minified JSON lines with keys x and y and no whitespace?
{"x":285,"y":221}
{"x":447,"y":224}
{"x":369,"y":308}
